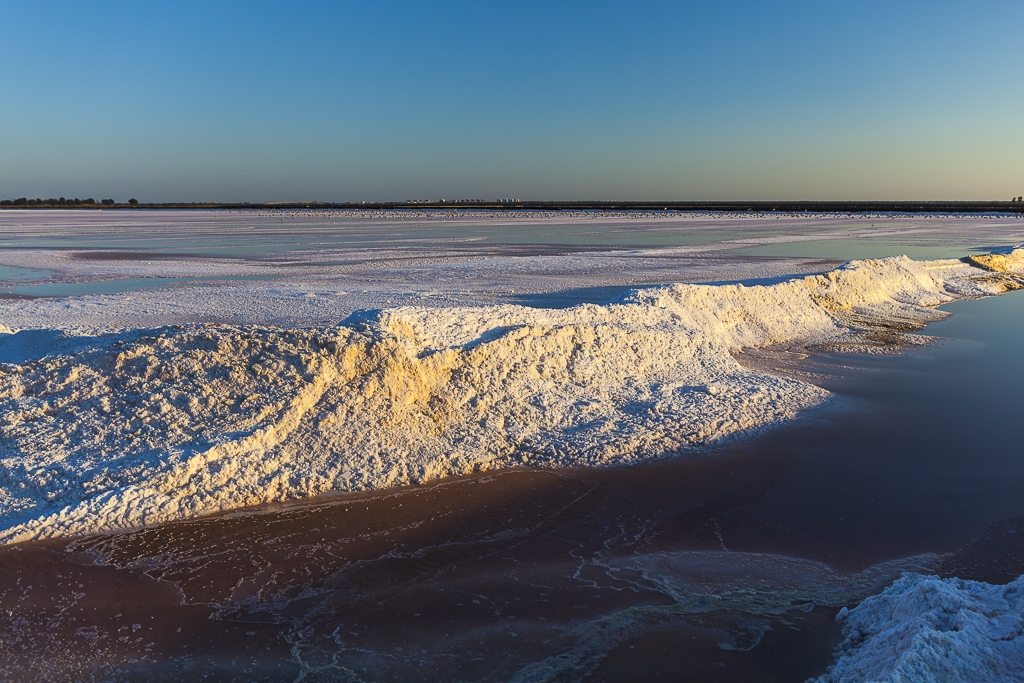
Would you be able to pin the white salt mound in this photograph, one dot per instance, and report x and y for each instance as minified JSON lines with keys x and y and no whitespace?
{"x":119,"y":430}
{"x":923,"y":629}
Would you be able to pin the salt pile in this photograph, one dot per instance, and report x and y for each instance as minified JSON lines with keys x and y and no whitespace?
{"x":136,"y":427}
{"x":923,"y":629}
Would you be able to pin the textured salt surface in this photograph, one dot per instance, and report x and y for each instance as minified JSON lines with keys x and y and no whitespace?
{"x":138,"y":427}
{"x":324,"y":265}
{"x":314,"y":295}
{"x":923,"y":629}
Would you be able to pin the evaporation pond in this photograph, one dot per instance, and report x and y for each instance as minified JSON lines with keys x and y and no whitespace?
{"x":849,"y":249}
{"x":15,"y":273}
{"x":131,"y":284}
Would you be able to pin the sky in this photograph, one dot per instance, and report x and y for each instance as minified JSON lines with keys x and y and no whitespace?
{"x":390,"y":101}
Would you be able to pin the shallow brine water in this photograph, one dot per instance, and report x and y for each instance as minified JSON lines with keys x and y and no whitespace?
{"x":728,"y":566}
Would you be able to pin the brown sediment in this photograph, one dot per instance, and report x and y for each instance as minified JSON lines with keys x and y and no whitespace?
{"x":67,"y":618}
{"x":339,"y":532}
{"x":472,"y":577}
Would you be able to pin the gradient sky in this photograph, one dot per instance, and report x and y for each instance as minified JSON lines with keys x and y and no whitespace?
{"x":344,"y":101}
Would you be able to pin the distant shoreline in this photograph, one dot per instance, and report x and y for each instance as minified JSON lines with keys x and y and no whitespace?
{"x":902,"y":207}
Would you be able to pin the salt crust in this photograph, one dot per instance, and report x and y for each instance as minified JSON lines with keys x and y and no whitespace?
{"x":923,"y":629}
{"x":135,"y":427}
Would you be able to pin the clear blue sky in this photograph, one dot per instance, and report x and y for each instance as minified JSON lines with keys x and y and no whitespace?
{"x":338,"y":101}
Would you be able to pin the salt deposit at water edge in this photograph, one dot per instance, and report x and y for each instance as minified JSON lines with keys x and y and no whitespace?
{"x":136,"y":427}
{"x":923,"y":629}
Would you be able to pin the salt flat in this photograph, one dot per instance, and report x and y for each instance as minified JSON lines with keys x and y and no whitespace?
{"x":358,"y":359}
{"x":316,"y":268}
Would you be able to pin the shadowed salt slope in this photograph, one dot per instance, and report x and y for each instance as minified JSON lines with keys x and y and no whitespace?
{"x":144,"y":426}
{"x":923,"y":629}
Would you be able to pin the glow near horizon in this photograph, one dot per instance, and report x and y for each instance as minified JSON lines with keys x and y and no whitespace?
{"x":343,"y":102}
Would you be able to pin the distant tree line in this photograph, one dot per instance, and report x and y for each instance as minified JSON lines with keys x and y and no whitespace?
{"x":61,"y":201}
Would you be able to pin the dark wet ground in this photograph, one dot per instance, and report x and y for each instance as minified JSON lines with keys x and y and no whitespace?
{"x":728,"y":567}
{"x":473,"y":579}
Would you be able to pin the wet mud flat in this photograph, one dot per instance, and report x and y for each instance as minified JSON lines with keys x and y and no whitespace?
{"x":688,"y":567}
{"x":514,"y":573}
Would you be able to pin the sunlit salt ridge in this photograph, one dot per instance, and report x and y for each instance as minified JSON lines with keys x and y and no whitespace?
{"x":141,"y":426}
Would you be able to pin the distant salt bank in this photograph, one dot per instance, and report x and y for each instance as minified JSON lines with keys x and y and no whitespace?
{"x":142,"y":426}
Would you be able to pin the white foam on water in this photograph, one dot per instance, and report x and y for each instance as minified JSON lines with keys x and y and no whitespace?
{"x":923,"y":629}
{"x":141,"y":426}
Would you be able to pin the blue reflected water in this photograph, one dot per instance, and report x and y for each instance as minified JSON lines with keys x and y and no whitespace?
{"x":14,"y":273}
{"x":82,"y":288}
{"x":128,"y":284}
{"x":850,"y":249}
{"x":927,"y":451}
